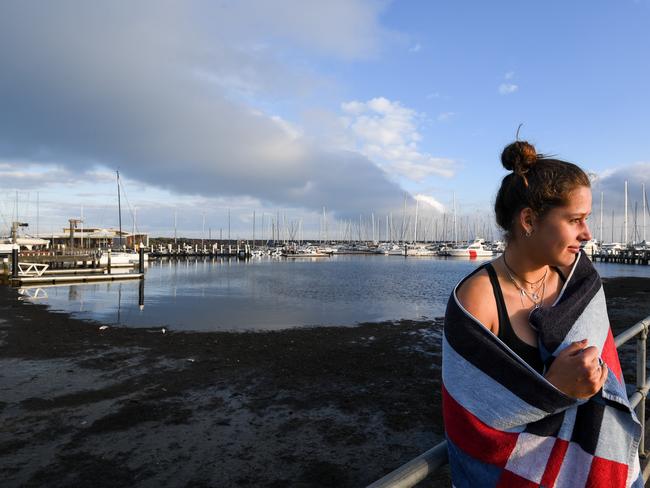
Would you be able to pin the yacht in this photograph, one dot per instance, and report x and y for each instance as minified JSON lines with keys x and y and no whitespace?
{"x":122,"y":258}
{"x":474,"y":250}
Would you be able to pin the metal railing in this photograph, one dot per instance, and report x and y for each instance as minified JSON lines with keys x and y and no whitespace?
{"x":418,"y":469}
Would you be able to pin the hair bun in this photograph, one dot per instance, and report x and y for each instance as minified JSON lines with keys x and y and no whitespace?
{"x":518,"y":156}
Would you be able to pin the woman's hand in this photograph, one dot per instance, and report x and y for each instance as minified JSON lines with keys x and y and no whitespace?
{"x":577,"y":371}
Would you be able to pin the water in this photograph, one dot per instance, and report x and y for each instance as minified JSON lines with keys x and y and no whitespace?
{"x":211,"y":295}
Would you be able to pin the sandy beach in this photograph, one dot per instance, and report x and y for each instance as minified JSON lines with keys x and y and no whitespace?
{"x":82,"y":405}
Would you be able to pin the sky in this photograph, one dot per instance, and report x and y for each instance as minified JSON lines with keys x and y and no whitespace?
{"x":352,"y":109}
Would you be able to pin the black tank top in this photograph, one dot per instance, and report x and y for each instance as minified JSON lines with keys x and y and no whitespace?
{"x":525,"y":351}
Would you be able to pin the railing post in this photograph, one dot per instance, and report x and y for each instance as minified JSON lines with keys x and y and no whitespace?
{"x":640,"y":383}
{"x":14,"y":263}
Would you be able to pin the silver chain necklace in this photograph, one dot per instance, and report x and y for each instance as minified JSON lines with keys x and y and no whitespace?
{"x":534,"y":296}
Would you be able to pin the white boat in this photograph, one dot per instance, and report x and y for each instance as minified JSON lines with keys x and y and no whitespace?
{"x":390,"y":249}
{"x":306,"y":252}
{"x":122,"y":258}
{"x":590,"y":247}
{"x":612,"y":248}
{"x":475,"y":250}
{"x":420,"y":251}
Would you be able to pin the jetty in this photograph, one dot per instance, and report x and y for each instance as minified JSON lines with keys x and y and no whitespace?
{"x":624,"y":256}
{"x":41,"y":268}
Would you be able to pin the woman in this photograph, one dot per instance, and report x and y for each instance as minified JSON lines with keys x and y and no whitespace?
{"x":533,"y":393}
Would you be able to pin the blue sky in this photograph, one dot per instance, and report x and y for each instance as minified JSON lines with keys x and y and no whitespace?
{"x":293,"y":106}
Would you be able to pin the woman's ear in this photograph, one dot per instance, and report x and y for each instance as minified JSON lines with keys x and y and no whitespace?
{"x":527,"y":221}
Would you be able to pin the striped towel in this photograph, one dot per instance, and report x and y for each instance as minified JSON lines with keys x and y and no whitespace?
{"x":506,"y":426}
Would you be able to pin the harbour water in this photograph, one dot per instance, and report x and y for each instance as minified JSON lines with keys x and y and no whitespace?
{"x":271,"y":294}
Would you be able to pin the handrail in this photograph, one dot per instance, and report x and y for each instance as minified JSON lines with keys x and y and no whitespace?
{"x":418,"y":469}
{"x":628,"y":334}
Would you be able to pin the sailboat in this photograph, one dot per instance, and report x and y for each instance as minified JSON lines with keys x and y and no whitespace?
{"x":121,"y":256}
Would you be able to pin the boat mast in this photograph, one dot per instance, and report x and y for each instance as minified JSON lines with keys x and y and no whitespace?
{"x":455,"y":223}
{"x":119,"y":206}
{"x":415,"y":223}
{"x":601,"y":217}
{"x":644,"y":211}
{"x":625,"y":219}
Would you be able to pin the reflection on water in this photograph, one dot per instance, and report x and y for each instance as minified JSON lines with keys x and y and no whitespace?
{"x":223,"y":294}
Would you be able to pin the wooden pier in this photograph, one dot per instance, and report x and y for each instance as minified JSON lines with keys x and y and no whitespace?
{"x":72,"y":279}
{"x":627,"y":256}
{"x":32,"y":269}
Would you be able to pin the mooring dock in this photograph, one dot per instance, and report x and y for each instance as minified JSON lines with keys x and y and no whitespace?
{"x":71,"y":279}
{"x":37,"y":270}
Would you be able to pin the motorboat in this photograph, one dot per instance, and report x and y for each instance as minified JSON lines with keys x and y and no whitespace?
{"x":590,"y":247}
{"x":420,"y":251}
{"x":474,"y":250}
{"x":122,"y":258}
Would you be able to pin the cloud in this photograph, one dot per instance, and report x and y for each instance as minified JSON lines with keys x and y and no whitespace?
{"x":430,"y":201}
{"x":387,"y":133}
{"x":507,"y":88}
{"x":611,"y":183}
{"x":171,"y":94}
{"x":442,"y":117}
{"x":415,"y":48}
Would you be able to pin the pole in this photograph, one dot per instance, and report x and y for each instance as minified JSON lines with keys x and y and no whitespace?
{"x":601,"y":217}
{"x":135,"y":217}
{"x":640,"y":380}
{"x":625,"y":219}
{"x":455,"y":226}
{"x":415,"y":224}
{"x":644,"y":211}
{"x":14,"y":263}
{"x":119,"y":206}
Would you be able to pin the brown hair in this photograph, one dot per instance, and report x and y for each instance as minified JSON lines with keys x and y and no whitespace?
{"x":536,"y":181}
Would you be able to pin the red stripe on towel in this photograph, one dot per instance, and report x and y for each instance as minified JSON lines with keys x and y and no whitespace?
{"x":610,"y":356}
{"x":554,"y":462}
{"x":474,"y":437}
{"x":606,"y":474}
{"x":509,"y":479}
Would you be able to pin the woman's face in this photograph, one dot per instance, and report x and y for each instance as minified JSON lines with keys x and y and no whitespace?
{"x":559,"y":233}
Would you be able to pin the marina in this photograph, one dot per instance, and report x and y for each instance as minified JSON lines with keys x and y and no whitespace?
{"x":266,"y":293}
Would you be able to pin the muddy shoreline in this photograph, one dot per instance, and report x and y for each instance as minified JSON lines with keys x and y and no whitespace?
{"x":311,"y":407}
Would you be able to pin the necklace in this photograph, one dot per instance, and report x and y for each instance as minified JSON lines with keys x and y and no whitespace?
{"x":534,"y":294}
{"x":532,"y":284}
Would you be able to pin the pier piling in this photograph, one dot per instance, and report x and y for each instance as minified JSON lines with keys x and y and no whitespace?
{"x":14,"y":263}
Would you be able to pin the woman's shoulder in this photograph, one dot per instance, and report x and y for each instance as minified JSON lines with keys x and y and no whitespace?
{"x":475,"y":294}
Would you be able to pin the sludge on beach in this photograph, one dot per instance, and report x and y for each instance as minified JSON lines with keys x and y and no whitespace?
{"x":319,"y":406}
